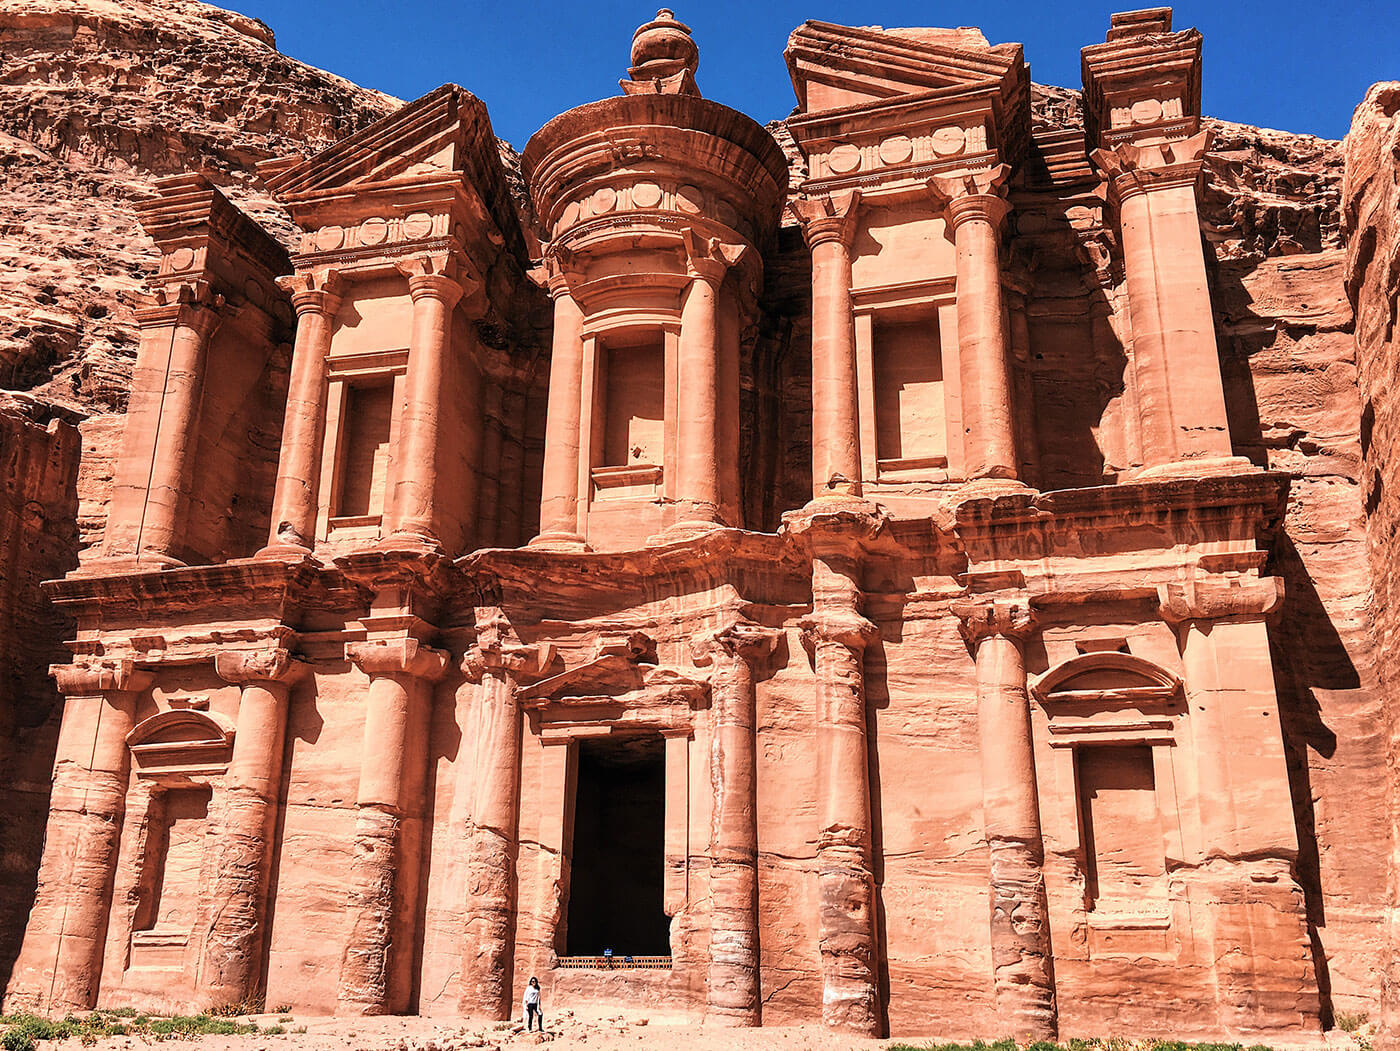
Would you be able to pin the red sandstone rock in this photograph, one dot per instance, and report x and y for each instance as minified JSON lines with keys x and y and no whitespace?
{"x":1005,"y":766}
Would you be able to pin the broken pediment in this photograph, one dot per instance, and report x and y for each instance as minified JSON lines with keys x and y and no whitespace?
{"x":834,"y":67}
{"x":445,"y":136}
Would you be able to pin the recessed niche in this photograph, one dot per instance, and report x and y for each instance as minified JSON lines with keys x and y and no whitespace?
{"x":911,"y":419}
{"x":364,"y":456}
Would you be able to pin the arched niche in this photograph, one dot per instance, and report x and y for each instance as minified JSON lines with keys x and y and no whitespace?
{"x":182,"y":740}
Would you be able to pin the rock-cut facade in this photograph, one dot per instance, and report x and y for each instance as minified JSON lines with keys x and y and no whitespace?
{"x":682,"y":584}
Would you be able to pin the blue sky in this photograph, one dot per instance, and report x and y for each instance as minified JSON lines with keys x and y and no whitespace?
{"x":1287,"y":64}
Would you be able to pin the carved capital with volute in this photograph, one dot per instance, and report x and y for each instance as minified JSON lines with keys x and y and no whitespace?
{"x":269,"y":664}
{"x":90,"y":678}
{"x":500,"y":653}
{"x":827,"y":217}
{"x":436,"y":276}
{"x":192,"y":304}
{"x":981,"y":617}
{"x":558,"y":271}
{"x":405,"y":656}
{"x":1134,"y":169}
{"x":1216,"y":598}
{"x":709,"y":258}
{"x":315,"y":291}
{"x":970,"y":196}
{"x":752,"y":643}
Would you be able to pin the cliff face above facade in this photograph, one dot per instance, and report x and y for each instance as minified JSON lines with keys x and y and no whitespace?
{"x":1371,"y":211}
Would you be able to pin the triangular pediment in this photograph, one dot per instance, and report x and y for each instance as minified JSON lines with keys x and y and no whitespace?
{"x":834,"y":67}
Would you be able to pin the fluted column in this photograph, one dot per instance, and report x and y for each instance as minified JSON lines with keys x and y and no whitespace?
{"x":235,"y":895}
{"x":60,"y":961}
{"x":559,"y":495}
{"x":1022,"y":966}
{"x":162,"y":429}
{"x":828,"y":224}
{"x":736,"y":653}
{"x":412,"y":515}
{"x":498,"y":663}
{"x":295,"y":502}
{"x":974,"y":211}
{"x":1176,"y":364}
{"x":401,"y":672}
{"x":700,"y":444}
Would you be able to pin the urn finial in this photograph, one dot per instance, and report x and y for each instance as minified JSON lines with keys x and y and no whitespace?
{"x":662,"y":49}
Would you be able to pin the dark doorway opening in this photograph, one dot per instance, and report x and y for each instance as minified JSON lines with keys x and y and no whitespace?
{"x":615,"y":892}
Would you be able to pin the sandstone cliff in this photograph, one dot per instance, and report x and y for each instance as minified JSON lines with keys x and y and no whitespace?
{"x":1371,"y":210}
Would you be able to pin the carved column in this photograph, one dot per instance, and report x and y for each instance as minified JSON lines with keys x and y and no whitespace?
{"x":733,"y":988}
{"x":400,"y":672}
{"x":835,"y":533}
{"x":316,"y":297}
{"x":162,"y":427}
{"x":700,"y":443}
{"x":828,"y":224}
{"x":412,"y":515}
{"x":1022,"y":966}
{"x":974,"y":211}
{"x":241,"y":845}
{"x":1176,"y":364}
{"x":559,"y":489}
{"x":498,"y":663}
{"x":60,"y":962}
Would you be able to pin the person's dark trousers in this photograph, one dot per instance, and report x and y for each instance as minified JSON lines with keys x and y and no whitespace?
{"x":532,"y":1012}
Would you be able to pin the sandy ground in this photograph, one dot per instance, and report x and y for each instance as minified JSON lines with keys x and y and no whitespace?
{"x":568,"y":1030}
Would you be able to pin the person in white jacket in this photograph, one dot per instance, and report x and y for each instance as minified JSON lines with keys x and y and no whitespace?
{"x":532,"y":1005}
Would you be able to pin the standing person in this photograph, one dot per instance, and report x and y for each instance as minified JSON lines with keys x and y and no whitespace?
{"x":532,"y":1005}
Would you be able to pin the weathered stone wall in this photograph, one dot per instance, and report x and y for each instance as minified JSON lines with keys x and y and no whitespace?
{"x":1371,"y":211}
{"x":38,"y":541}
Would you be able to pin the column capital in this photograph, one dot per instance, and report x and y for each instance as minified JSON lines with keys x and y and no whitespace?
{"x":972,"y":196}
{"x":1132,"y":169}
{"x":1217,"y":598}
{"x":743,"y":640}
{"x":831,"y":525}
{"x":316,"y":291}
{"x":558,"y":270}
{"x":193,"y":303}
{"x":90,"y":678}
{"x":827,"y":217}
{"x":439,"y":277}
{"x":708,"y":258}
{"x":272,"y":664}
{"x":982,"y":616}
{"x":834,"y":624}
{"x":500,"y":652}
{"x":403,"y":656}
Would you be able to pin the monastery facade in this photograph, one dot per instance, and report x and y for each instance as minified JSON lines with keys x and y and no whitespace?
{"x":784,"y":575}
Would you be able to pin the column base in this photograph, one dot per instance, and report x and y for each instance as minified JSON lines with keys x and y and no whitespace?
{"x":1205,"y":467}
{"x":279,"y":552}
{"x":412,"y":541}
{"x":559,"y":541}
{"x":110,"y":566}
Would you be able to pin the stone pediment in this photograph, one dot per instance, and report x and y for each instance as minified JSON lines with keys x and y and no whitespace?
{"x":182,"y":739}
{"x":443,"y":137}
{"x":616,"y":679}
{"x":835,"y":67}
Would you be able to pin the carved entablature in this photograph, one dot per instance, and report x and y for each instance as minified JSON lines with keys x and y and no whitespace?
{"x":1144,"y":83}
{"x":205,"y":241}
{"x":1110,"y":698}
